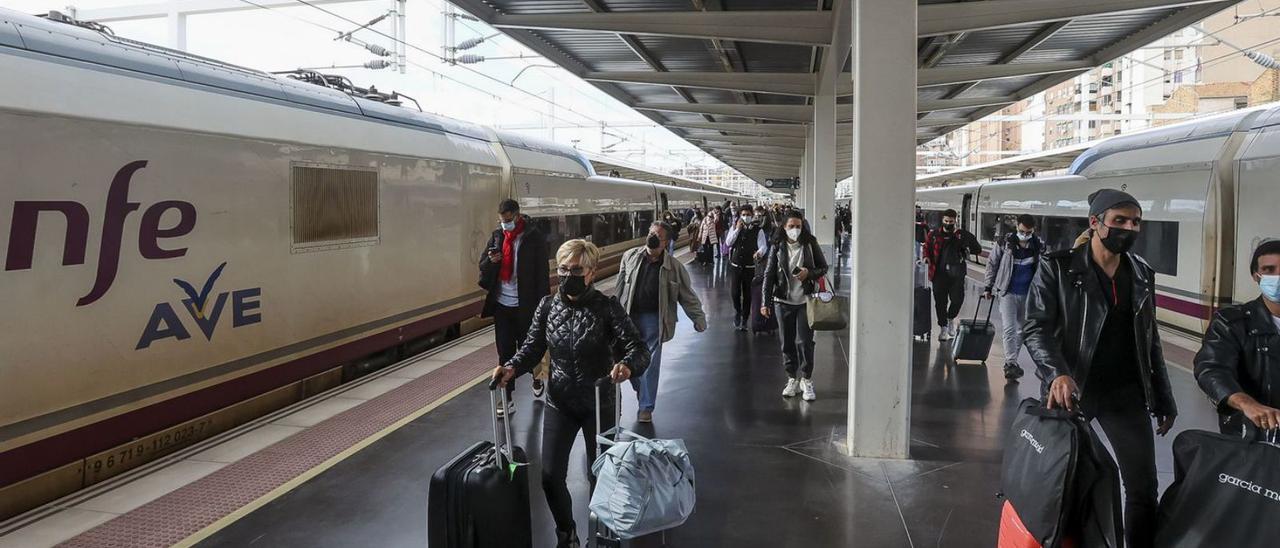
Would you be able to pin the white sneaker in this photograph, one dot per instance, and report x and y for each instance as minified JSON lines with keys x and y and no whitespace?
{"x":793,"y":387}
{"x":806,"y":386}
{"x":944,"y":332}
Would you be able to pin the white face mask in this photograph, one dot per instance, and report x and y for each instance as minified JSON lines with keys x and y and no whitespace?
{"x":1024,"y":237}
{"x":793,"y":234}
{"x":507,"y":225}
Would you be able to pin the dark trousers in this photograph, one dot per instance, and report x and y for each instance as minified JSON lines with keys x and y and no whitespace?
{"x":948,"y":297}
{"x":797,"y":339}
{"x":1123,"y":416}
{"x":740,"y":292}
{"x":510,"y":326}
{"x":559,"y":430}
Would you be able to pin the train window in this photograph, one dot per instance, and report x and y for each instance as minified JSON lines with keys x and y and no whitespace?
{"x":1061,"y":232}
{"x":1158,"y":244}
{"x":643,"y":220}
{"x":994,"y":226}
{"x":582,"y":226}
{"x":334,"y":205}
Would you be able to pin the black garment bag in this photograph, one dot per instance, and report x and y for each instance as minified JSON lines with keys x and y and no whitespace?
{"x":1225,"y":492}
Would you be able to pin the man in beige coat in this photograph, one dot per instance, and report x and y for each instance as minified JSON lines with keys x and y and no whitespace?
{"x":650,"y":284}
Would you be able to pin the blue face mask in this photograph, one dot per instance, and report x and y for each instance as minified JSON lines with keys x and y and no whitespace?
{"x":1270,"y":286}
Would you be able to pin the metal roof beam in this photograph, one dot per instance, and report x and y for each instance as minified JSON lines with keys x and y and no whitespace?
{"x":1165,"y":26}
{"x":808,"y":28}
{"x":738,"y":140}
{"x":953,"y":17}
{"x":945,"y":76}
{"x":783,"y":113}
{"x":764,"y":130}
{"x":780,"y":83}
{"x":754,"y":148}
{"x":966,"y":103}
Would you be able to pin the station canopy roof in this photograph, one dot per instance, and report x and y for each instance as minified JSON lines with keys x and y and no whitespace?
{"x":736,"y":77}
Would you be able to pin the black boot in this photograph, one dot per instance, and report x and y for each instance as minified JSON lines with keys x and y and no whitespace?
{"x":568,"y":538}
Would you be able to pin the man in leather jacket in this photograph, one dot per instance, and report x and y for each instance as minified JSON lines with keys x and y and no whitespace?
{"x":1092,"y":333}
{"x":583,"y":330}
{"x":1238,"y":365}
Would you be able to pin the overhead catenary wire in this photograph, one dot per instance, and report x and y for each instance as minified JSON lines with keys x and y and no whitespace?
{"x":981,"y":142}
{"x":469,"y":69}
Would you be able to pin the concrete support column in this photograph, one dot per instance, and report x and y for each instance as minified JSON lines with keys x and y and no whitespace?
{"x":822,"y":200}
{"x":806,"y":172}
{"x":884,"y":79}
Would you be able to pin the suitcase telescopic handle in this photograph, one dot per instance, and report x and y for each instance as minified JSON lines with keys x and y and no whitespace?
{"x":497,"y":395}
{"x":599,"y":407}
{"x":991,"y":306}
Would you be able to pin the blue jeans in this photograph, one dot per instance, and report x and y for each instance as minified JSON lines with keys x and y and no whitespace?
{"x":646,"y":385}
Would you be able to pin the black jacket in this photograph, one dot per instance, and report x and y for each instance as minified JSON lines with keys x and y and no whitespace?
{"x":583,"y":336}
{"x":776,"y":270}
{"x":1066,"y":309}
{"x":1241,"y":353}
{"x":533,"y":274}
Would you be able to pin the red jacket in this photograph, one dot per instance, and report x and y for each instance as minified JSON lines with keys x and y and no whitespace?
{"x":936,"y":242}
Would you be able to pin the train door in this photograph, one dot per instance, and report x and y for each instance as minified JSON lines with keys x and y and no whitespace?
{"x":704,"y":204}
{"x":966,"y":210}
{"x":663,"y":203}
{"x":1256,"y":195}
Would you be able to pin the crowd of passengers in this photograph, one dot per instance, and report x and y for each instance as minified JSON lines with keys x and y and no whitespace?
{"x":1085,"y":315}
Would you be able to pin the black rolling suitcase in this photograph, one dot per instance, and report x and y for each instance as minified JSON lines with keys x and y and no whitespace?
{"x":922,"y":318}
{"x":759,"y":323}
{"x":974,"y":337}
{"x":480,"y":498}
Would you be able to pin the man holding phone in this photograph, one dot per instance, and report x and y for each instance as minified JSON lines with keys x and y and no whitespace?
{"x":514,"y":271}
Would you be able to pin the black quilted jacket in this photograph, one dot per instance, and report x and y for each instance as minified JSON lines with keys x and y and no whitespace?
{"x":583,"y":337}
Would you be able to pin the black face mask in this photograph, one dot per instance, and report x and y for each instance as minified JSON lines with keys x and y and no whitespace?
{"x":1119,"y":240}
{"x":653,"y":242}
{"x":948,"y":228}
{"x":573,"y":286}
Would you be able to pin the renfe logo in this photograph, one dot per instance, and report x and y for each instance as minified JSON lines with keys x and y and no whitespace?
{"x":1032,"y":440}
{"x":22,"y":233}
{"x":205,"y":309}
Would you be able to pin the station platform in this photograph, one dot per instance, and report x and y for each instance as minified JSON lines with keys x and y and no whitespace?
{"x":351,"y":467}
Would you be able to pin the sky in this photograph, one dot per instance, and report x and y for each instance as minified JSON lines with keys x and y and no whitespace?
{"x":542,"y":96}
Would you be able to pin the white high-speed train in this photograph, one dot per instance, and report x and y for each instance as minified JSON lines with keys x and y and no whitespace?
{"x":1210,"y":193}
{"x":188,"y":243}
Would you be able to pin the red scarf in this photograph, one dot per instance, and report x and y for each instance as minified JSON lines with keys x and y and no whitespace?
{"x":509,"y":250}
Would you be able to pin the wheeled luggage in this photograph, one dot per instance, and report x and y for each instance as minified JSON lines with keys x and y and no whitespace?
{"x":643,"y":485}
{"x":922,"y":317}
{"x":1225,"y":492}
{"x":760,"y":323}
{"x":480,"y":498}
{"x":973,"y":337}
{"x":1060,"y":486}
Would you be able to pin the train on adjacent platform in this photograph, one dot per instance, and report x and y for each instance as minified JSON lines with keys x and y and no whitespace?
{"x":1209,"y":190}
{"x":189,"y":244}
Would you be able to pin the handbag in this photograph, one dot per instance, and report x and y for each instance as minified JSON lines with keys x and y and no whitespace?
{"x":825,"y":310}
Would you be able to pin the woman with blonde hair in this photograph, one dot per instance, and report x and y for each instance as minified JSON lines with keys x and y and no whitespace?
{"x":583,"y":330}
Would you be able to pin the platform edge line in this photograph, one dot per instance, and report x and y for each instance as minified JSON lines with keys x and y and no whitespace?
{"x":292,"y":484}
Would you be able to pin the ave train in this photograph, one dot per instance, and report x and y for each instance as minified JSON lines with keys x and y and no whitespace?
{"x":189,"y":244}
{"x":1210,"y":193}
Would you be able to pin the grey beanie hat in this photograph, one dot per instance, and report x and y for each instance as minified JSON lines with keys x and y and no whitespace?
{"x":1109,"y":198}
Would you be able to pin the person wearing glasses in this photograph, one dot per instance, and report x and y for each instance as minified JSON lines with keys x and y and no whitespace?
{"x":1010,"y":268}
{"x":583,"y":330}
{"x":1238,"y":365}
{"x":1091,"y":330}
